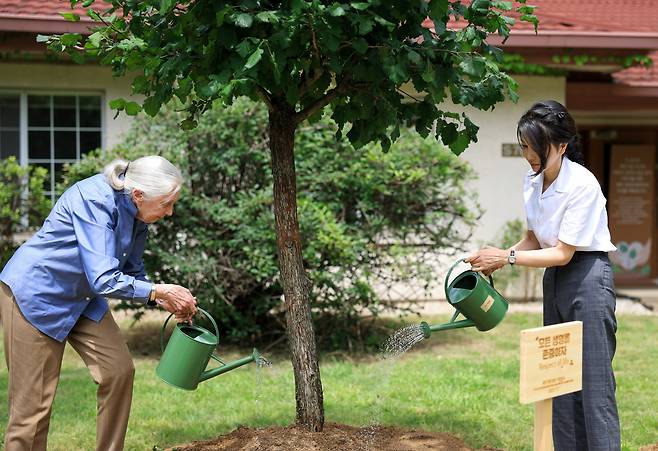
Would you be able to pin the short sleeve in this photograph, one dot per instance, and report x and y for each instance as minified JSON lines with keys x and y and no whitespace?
{"x":582,"y":215}
{"x":528,"y":191}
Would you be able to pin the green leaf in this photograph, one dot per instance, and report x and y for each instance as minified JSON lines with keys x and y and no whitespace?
{"x":336,"y":10}
{"x":414,"y":57}
{"x":298,"y":5}
{"x":364,"y":25}
{"x":473,"y":66}
{"x":151,"y":106}
{"x":504,"y":6}
{"x":94,"y":15}
{"x":139,"y":84}
{"x":88,"y":3}
{"x":438,"y":9}
{"x":360,"y":45}
{"x":71,"y":17}
{"x":460,"y":144}
{"x":292,"y":95}
{"x":243,"y":20}
{"x":166,"y":6}
{"x":360,"y":6}
{"x":70,"y":39}
{"x":43,"y":38}
{"x":449,"y":134}
{"x":188,"y":124}
{"x":95,"y":39}
{"x":254,"y":58}
{"x":184,"y":89}
{"x":428,"y":74}
{"x":267,"y":17}
{"x":530,"y":18}
{"x":132,"y":108}
{"x":117,"y":104}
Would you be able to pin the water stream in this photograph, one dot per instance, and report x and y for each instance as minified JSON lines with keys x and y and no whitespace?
{"x":261,"y":362}
{"x":401,"y":341}
{"x":390,"y":350}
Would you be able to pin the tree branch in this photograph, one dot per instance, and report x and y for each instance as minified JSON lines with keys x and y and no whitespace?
{"x":265,"y":97}
{"x":322,"y":101}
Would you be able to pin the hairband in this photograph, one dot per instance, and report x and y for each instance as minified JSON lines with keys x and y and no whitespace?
{"x":125,"y":171}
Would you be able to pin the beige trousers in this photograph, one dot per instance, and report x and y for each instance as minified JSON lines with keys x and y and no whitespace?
{"x":34,"y":360}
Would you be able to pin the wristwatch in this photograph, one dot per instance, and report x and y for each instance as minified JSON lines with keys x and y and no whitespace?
{"x":511,"y":258}
{"x":151,"y":300}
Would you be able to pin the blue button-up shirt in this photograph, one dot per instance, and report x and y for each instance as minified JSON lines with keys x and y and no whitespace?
{"x":89,"y":247}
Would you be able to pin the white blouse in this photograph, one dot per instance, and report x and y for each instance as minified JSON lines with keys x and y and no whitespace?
{"x":572,"y":209}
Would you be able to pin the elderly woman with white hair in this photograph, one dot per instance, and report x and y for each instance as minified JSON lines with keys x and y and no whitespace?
{"x":54,"y":288}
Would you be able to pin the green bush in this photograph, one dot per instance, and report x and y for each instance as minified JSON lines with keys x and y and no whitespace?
{"x":367,"y":218}
{"x":21,"y":209}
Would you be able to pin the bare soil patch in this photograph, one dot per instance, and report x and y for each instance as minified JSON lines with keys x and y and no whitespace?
{"x":335,"y":437}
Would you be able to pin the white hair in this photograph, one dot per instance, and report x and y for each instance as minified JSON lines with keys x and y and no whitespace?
{"x":153,"y":175}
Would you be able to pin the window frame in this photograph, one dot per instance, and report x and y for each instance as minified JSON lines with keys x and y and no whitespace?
{"x":24,"y":127}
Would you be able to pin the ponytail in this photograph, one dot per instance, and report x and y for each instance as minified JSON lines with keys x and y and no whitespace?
{"x":115,"y":173}
{"x":575,"y":150}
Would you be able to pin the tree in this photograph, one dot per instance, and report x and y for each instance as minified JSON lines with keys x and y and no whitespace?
{"x":298,"y":56}
{"x":368,"y":220}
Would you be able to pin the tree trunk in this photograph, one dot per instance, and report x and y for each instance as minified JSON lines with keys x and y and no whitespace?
{"x":296,"y":286}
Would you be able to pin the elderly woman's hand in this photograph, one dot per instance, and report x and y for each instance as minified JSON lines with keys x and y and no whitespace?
{"x":487,"y":260}
{"x":177,"y":300}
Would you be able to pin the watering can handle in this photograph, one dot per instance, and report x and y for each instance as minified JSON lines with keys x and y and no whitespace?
{"x":445,"y":284}
{"x":162,"y":331}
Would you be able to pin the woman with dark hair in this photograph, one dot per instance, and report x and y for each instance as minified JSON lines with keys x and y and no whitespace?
{"x":568,"y":235}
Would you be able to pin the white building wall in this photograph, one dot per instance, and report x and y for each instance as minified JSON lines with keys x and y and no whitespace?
{"x":72,"y":78}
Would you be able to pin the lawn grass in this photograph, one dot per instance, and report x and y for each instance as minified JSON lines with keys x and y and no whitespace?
{"x":461,"y":381}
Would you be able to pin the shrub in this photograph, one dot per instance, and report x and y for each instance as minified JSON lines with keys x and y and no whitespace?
{"x":367,"y":218}
{"x":518,"y":282}
{"x":22,"y":203}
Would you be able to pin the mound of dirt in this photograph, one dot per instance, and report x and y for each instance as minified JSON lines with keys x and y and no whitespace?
{"x":335,"y":437}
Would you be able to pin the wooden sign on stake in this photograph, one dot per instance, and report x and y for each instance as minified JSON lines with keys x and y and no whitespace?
{"x":551,"y":365}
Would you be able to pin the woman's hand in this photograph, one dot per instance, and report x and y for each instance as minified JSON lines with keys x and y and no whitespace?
{"x":177,"y":300}
{"x":487,"y":260}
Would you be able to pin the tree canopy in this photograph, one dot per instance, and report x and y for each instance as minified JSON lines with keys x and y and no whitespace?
{"x":369,"y":59}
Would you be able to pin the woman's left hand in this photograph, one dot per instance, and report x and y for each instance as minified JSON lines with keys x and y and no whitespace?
{"x":487,"y":260}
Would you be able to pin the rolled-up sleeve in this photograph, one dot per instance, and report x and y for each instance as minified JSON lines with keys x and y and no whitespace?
{"x":95,"y":234}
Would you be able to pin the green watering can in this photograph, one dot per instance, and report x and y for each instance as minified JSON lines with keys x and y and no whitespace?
{"x":188,"y":352}
{"x":475,"y":298}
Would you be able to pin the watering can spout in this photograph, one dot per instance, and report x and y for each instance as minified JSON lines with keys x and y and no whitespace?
{"x":226,"y":367}
{"x":427,"y":329}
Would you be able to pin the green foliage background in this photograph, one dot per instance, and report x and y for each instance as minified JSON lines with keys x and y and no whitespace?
{"x":368,"y":218}
{"x":22,"y":203}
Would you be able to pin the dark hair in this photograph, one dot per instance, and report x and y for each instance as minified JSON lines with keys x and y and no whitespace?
{"x":549,"y":123}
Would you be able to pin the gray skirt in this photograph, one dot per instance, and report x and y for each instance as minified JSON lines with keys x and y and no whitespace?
{"x":583,"y":290}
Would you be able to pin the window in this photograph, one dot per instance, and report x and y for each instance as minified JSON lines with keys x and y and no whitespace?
{"x":49,"y":130}
{"x":9,"y":126}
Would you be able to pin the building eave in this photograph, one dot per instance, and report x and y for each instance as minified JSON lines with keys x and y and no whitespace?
{"x":43,"y":24}
{"x":578,"y":39}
